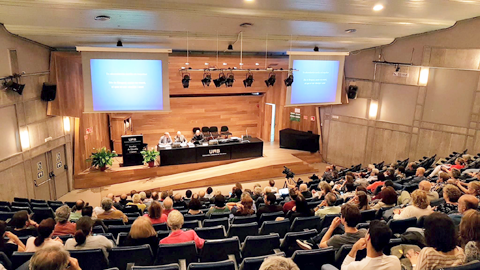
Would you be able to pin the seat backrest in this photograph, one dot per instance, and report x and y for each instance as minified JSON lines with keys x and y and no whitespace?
{"x":313,"y":259}
{"x":41,"y":213}
{"x":327,"y":220}
{"x":92,"y":259}
{"x":121,"y":256}
{"x":98,"y":229}
{"x":254,"y":263}
{"x":213,"y":129}
{"x":54,"y":206}
{"x":20,"y":208}
{"x":302,"y":223}
{"x":116,"y":229}
{"x":109,"y":222}
{"x":172,"y":266}
{"x":19,"y":258}
{"x":32,"y":204}
{"x":121,"y":238}
{"x":219,"y":249}
{"x":172,"y":253}
{"x":368,"y":215}
{"x":224,"y":129}
{"x":243,"y":230}
{"x":191,"y":224}
{"x":270,"y":216}
{"x":70,"y":204}
{"x":205,"y":129}
{"x":260,"y":245}
{"x":244,"y":220}
{"x":5,"y":203}
{"x":160,"y":227}
{"x":17,"y":199}
{"x":223,"y":265}
{"x":109,"y":236}
{"x":401,"y":225}
{"x":199,"y":217}
{"x":131,"y":209}
{"x":5,"y":208}
{"x":6,"y":215}
{"x":289,"y":244}
{"x":216,"y":222}
{"x":216,"y":232}
{"x":437,"y":202}
{"x":135,"y":214}
{"x":65,"y":237}
{"x":5,"y":261}
{"x":219,"y":215}
{"x":343,"y":252}
{"x":281,"y":227}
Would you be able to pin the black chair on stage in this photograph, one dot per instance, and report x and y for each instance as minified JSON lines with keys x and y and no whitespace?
{"x":214,"y":131}
{"x":225,"y":131}
{"x":206,"y":131}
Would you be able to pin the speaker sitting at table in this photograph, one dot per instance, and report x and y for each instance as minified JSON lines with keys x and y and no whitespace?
{"x":198,"y":138}
{"x":179,"y":138}
{"x":165,"y":139}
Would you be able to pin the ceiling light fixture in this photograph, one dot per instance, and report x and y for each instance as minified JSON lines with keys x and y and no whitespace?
{"x":230,"y":47}
{"x":315,"y":49}
{"x":271,"y":80}
{"x":289,"y":80}
{"x":230,"y":79}
{"x":220,"y":81}
{"x":102,"y":18}
{"x":186,"y":80}
{"x":248,"y":80}
{"x":119,"y":43}
{"x":378,"y":7}
{"x":14,"y":86}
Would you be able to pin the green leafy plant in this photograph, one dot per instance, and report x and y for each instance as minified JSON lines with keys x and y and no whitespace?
{"x":102,"y":157}
{"x":149,"y":155}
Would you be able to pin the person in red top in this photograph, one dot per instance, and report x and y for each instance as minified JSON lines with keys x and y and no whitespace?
{"x":155,"y":213}
{"x":167,"y":206}
{"x":459,"y":164}
{"x":289,"y":205}
{"x":175,"y":222}
{"x":63,"y":226}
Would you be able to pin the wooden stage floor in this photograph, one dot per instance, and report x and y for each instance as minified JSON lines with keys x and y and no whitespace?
{"x":197,"y":176}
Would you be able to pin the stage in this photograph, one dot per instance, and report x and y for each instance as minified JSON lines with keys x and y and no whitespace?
{"x":94,"y":184}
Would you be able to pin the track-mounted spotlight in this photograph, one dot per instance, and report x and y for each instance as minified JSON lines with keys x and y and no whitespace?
{"x":207,"y":79}
{"x":230,"y":79}
{"x":315,"y":49}
{"x":230,"y":47}
{"x":289,"y":80}
{"x":119,"y":43}
{"x":14,"y":86}
{"x":221,"y":80}
{"x":271,"y":80}
{"x":186,"y":80}
{"x":248,"y":80}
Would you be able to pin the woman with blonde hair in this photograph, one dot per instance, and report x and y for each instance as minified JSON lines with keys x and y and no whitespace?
{"x":155,"y":213}
{"x":325,"y":188}
{"x":420,"y":207}
{"x":244,"y":208}
{"x":175,"y":222}
{"x":470,"y":235}
{"x":141,"y":233}
{"x":137,"y":200}
{"x":473,"y":188}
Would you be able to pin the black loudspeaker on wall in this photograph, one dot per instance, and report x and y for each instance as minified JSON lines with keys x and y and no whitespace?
{"x":49,"y":92}
{"x":352,"y":92}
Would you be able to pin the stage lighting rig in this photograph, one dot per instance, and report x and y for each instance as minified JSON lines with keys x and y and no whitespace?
{"x":186,"y":80}
{"x":271,"y":79}
{"x":230,"y":79}
{"x":289,"y":80}
{"x":249,"y":80}
{"x":207,"y":79}
{"x":14,"y":86}
{"x":221,"y":80}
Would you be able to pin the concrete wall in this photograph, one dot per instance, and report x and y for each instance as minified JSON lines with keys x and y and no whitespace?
{"x":26,"y":113}
{"x":413,"y":119}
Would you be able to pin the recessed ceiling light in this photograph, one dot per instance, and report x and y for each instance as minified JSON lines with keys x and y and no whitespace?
{"x":102,"y":18}
{"x":349,"y":31}
{"x":249,"y":0}
{"x":378,"y":7}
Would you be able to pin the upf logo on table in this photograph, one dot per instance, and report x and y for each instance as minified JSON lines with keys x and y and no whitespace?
{"x":214,"y":152}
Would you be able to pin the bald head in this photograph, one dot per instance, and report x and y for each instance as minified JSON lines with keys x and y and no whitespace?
{"x":467,"y":202}
{"x":177,"y":197}
{"x":111,"y":196}
{"x":425,"y":185}
{"x":303,"y":187}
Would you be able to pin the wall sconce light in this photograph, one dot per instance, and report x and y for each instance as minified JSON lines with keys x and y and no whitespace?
{"x":372,"y":113}
{"x":424,"y":72}
{"x":66,"y":124}
{"x":24,"y":138}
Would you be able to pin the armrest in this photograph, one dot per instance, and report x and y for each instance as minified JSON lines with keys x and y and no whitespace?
{"x":232,"y":258}
{"x":183,"y":264}
{"x":328,"y":267}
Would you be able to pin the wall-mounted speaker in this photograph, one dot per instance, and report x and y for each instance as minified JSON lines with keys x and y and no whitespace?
{"x":352,"y":92}
{"x":49,"y":92}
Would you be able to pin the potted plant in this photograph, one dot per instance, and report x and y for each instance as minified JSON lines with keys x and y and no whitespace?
{"x":149,"y":157}
{"x":101,"y":158}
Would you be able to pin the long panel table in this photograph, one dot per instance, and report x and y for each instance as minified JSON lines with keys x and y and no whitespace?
{"x":204,"y":153}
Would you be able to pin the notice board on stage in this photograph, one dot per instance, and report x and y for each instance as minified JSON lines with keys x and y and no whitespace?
{"x":132,"y":145}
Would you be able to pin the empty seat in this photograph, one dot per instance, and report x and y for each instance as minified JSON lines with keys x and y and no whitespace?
{"x":206,"y":131}
{"x":19,"y":258}
{"x":17,"y":199}
{"x":327,"y":220}
{"x":224,"y":131}
{"x":4,"y":208}
{"x":260,"y":245}
{"x":281,"y":227}
{"x":160,"y":227}
{"x":401,"y":225}
{"x":41,"y":205}
{"x":173,"y":253}
{"x":70,"y":204}
{"x":21,"y":204}
{"x":243,"y":230}
{"x":214,"y":131}
{"x":4,"y":203}
{"x":254,"y":263}
{"x":219,"y":215}
{"x":98,"y":229}
{"x":270,"y":216}
{"x":139,"y":255}
{"x":313,"y":259}
{"x":116,"y":229}
{"x":368,"y":215}
{"x":92,"y":259}
{"x":20,"y":208}
{"x":343,"y":252}
{"x":121,"y":238}
{"x":131,"y":220}
{"x":216,"y":222}
{"x":38,"y":201}
{"x":41,"y":213}
{"x":243,"y":220}
{"x":289,"y":244}
{"x":136,"y":214}
{"x":216,"y":232}
{"x":199,"y":217}
{"x":302,"y":223}
{"x":108,"y":222}
{"x":191,"y":224}
{"x":54,"y":206}
{"x":220,"y":249}
{"x":172,"y":266}
{"x":223,"y":265}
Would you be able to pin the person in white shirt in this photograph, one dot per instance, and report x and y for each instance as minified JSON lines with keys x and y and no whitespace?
{"x":165,"y":139}
{"x":375,"y":241}
{"x":420,"y":207}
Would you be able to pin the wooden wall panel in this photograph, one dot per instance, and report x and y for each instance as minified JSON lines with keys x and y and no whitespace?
{"x":346,"y":145}
{"x":432,"y":142}
{"x":389,"y":146}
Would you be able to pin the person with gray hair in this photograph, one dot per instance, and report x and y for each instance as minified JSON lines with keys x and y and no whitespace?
{"x":110,"y":212}
{"x":52,"y":258}
{"x":63,"y":226}
{"x":278,"y":263}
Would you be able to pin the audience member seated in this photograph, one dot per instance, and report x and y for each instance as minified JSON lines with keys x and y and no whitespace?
{"x":257,"y":193}
{"x":327,"y":206}
{"x":376,"y":239}
{"x":473,"y":188}
{"x":88,"y":212}
{"x":459,"y":164}
{"x":350,"y":217}
{"x":330,"y":173}
{"x":202,"y":198}
{"x":451,"y":194}
{"x":110,"y":212}
{"x":301,"y":209}
{"x":209,"y":194}
{"x":245,"y":207}
{"x":44,"y":238}
{"x":155,"y":213}
{"x":427,"y":187}
{"x":178,"y":201}
{"x":360,"y":200}
{"x":371,"y":178}
{"x":194,"y":206}
{"x":271,"y":183}
{"x":325,"y":188}
{"x":137,"y":200}
{"x":278,"y":263}
{"x":22,"y":224}
{"x":219,"y":207}
{"x":141,"y":233}
{"x":53,"y":258}
{"x":441,"y":251}
{"x":305,"y":192}
{"x":236,"y":195}
{"x":77,"y":210}
{"x":148,"y":198}
{"x":470,"y":235}
{"x":389,"y":199}
{"x":84,"y":239}
{"x":419,"y":176}
{"x":380,"y":193}
{"x":400,"y":173}
{"x":13,"y":244}
{"x":167,"y":206}
{"x":270,"y":206}
{"x":465,"y":203}
{"x":63,"y":226}
{"x":175,"y":222}
{"x":288,"y":206}
{"x":411,"y":169}
{"x":420,"y":207}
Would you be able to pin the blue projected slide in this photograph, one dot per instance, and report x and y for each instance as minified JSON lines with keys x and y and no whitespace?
{"x":315,"y":82}
{"x":126,"y":85}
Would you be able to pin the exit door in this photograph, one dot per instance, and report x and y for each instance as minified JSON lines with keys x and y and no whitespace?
{"x":50,"y":174}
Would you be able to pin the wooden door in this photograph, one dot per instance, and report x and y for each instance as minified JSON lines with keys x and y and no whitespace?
{"x":59,"y":176}
{"x":41,"y":178}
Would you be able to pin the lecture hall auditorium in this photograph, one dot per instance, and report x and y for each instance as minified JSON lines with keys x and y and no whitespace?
{"x":247,"y":134}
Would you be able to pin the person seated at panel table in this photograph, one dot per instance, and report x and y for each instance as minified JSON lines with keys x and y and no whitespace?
{"x":179,"y":138}
{"x":198,"y":138}
{"x":165,"y":139}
